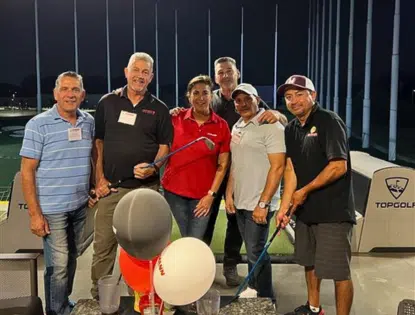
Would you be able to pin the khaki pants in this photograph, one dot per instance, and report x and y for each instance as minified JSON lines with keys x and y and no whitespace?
{"x":105,"y":244}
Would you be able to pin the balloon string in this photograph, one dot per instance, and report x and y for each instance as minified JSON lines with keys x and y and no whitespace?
{"x":161,"y":307}
{"x":153,"y":310}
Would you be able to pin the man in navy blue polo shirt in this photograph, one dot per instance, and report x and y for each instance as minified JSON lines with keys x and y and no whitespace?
{"x":318,"y":189}
{"x":56,"y":167}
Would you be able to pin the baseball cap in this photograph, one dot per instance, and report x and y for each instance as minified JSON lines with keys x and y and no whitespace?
{"x":246,"y":88}
{"x":296,"y":80}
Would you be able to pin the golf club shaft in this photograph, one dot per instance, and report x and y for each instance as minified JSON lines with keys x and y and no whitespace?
{"x":267,"y":245}
{"x":117,"y":183}
{"x":173,"y":152}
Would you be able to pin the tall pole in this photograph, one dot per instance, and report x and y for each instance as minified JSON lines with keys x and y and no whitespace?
{"x":157,"y":51}
{"x":75,"y":24}
{"x":242,"y":45}
{"x":329,"y":55}
{"x":368,"y":63}
{"x":134,"y":40}
{"x":317,"y":45}
{"x":276,"y":56}
{"x":309,"y":39}
{"x":209,"y":46}
{"x":393,"y":116}
{"x":38,"y":89}
{"x":108,"y":47}
{"x":177,"y":57}
{"x":350,"y":73}
{"x":323,"y":21}
{"x":312,"y":41}
{"x":337,"y":60}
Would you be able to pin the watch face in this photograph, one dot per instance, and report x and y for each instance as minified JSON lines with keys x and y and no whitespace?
{"x":262,"y":205}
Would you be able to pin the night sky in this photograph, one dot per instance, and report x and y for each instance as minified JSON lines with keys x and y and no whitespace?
{"x":17,"y":38}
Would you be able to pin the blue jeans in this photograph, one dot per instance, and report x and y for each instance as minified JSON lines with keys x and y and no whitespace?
{"x":255,"y":237}
{"x":61,"y":248}
{"x":182,"y":209}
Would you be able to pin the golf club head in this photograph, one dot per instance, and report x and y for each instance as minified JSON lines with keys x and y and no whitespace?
{"x":209,"y":143}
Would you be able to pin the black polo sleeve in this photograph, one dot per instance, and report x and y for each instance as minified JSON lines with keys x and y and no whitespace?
{"x":164,"y":127}
{"x":334,"y":139}
{"x":100,"y":119}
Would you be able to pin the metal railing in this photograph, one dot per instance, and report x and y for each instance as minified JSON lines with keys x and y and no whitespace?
{"x":5,"y":193}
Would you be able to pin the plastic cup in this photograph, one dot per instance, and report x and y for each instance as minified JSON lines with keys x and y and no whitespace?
{"x":209,"y":304}
{"x":109,"y":294}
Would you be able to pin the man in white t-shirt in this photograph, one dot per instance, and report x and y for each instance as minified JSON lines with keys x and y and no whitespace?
{"x":258,"y":161}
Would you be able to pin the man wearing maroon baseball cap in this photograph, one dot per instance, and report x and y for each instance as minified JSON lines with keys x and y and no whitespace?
{"x":318,"y":189}
{"x":296,"y":81}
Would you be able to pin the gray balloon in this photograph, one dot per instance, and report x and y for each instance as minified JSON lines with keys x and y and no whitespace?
{"x":142,"y":223}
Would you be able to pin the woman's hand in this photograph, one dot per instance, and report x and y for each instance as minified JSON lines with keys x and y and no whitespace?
{"x":203,"y":207}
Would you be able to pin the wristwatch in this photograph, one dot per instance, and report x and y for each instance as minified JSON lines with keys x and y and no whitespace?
{"x":156,"y":169}
{"x":263,"y":204}
{"x":212,"y":193}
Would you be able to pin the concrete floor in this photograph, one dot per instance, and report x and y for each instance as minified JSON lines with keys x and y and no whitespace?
{"x":381,"y":281}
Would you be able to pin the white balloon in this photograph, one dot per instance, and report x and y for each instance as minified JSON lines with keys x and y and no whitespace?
{"x":184,"y":272}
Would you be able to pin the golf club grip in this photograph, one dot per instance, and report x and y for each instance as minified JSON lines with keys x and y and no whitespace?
{"x":119,"y":182}
{"x":267,"y":245}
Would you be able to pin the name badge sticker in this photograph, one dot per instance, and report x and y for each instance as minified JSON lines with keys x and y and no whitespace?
{"x":127,"y":118}
{"x":236,"y":137}
{"x":74,"y":134}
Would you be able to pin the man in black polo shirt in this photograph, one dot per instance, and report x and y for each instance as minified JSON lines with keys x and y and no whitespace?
{"x":131,"y":130}
{"x":317,"y":188}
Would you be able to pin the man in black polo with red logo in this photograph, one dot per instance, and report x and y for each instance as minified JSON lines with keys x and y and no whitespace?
{"x":132,"y":129}
{"x":318,"y":190}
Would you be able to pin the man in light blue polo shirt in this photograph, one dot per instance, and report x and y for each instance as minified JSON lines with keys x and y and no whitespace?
{"x":56,"y":167}
{"x":258,"y":162}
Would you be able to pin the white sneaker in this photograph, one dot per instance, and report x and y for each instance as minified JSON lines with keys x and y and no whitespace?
{"x":248,"y":293}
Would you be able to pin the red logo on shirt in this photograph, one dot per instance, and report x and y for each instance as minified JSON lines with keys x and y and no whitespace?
{"x":149,"y":111}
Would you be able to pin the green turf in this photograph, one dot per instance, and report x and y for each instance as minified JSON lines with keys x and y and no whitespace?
{"x":281,"y":244}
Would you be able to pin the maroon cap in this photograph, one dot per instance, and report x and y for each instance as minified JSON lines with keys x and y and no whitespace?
{"x":298,"y":81}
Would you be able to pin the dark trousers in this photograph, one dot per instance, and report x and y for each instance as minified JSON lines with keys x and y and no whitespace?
{"x":255,"y":237}
{"x":233,"y":239}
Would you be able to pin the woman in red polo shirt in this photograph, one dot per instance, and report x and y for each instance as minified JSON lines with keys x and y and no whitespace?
{"x":193,"y":176}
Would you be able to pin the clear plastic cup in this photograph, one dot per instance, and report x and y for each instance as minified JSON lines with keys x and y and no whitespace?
{"x":209,"y":304}
{"x":109,"y":294}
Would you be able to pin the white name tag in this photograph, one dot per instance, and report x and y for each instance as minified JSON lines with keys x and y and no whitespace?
{"x":236,"y":137}
{"x":74,"y":134}
{"x":127,"y":118}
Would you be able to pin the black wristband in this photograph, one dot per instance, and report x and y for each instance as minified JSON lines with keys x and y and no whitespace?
{"x":212,"y":193}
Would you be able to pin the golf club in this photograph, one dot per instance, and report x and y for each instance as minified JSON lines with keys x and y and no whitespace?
{"x":209,"y":143}
{"x":243,"y":284}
